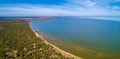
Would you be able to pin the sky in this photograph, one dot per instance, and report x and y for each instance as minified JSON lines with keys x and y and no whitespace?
{"x":59,"y":7}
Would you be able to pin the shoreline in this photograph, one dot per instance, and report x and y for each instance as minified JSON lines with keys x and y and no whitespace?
{"x":55,"y":47}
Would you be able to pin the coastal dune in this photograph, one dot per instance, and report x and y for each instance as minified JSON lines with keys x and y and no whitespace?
{"x":56,"y":48}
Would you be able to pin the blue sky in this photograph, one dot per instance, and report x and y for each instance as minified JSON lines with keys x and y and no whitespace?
{"x":59,"y":7}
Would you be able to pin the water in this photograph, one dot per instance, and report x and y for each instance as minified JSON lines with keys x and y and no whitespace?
{"x":88,"y":33}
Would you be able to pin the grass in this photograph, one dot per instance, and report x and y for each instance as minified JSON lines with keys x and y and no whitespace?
{"x":18,"y":41}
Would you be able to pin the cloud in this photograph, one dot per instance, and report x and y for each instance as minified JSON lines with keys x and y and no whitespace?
{"x":85,"y":3}
{"x":71,"y":8}
{"x":116,"y":7}
{"x":34,"y":10}
{"x":89,"y":3}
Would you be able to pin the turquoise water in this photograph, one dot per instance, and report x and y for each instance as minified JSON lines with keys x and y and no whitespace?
{"x":95,"y":33}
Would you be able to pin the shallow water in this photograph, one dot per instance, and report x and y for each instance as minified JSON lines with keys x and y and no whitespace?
{"x":101,"y":35}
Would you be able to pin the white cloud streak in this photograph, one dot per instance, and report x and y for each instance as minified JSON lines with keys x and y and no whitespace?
{"x":89,"y":3}
{"x":72,"y":8}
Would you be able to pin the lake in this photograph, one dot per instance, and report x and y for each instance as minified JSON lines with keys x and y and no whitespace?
{"x":86,"y":37}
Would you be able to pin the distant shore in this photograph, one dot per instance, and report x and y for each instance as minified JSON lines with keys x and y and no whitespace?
{"x":55,"y":47}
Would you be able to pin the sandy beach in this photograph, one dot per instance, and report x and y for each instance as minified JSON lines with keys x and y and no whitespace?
{"x":56,"y":48}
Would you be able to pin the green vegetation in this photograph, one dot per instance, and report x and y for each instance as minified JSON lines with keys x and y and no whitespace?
{"x":18,"y":41}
